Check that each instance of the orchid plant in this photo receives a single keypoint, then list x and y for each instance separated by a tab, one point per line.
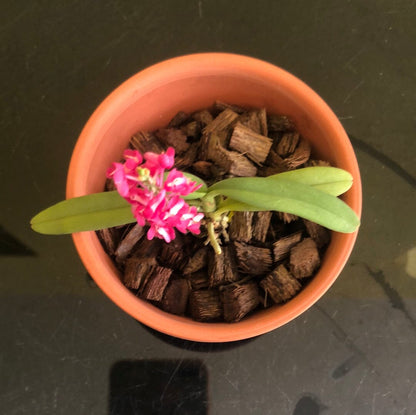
151	192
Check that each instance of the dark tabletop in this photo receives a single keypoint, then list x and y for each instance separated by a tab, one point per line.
65	348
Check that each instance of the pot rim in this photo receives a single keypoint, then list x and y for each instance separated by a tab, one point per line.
100	266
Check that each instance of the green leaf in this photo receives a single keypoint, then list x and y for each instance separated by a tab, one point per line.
92	212
85	213
290	197
330	180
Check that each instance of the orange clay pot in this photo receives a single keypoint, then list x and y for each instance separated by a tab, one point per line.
147	101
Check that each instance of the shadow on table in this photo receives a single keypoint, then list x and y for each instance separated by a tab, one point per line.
197	346
158	387
10	245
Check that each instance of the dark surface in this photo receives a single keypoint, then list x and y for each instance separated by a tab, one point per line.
62	340
158	386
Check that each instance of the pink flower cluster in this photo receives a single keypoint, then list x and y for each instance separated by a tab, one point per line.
156	198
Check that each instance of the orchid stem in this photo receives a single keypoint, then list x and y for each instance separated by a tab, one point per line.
197	203
219	212
213	238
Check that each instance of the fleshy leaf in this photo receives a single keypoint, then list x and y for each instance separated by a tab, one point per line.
330	180
290	197
85	213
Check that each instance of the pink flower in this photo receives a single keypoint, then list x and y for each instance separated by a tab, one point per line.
176	182
124	175
156	201
160	161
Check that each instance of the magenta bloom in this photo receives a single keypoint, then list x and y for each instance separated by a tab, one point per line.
155	200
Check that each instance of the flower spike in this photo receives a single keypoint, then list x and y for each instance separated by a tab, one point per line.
155	200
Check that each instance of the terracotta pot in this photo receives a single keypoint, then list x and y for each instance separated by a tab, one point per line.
147	101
